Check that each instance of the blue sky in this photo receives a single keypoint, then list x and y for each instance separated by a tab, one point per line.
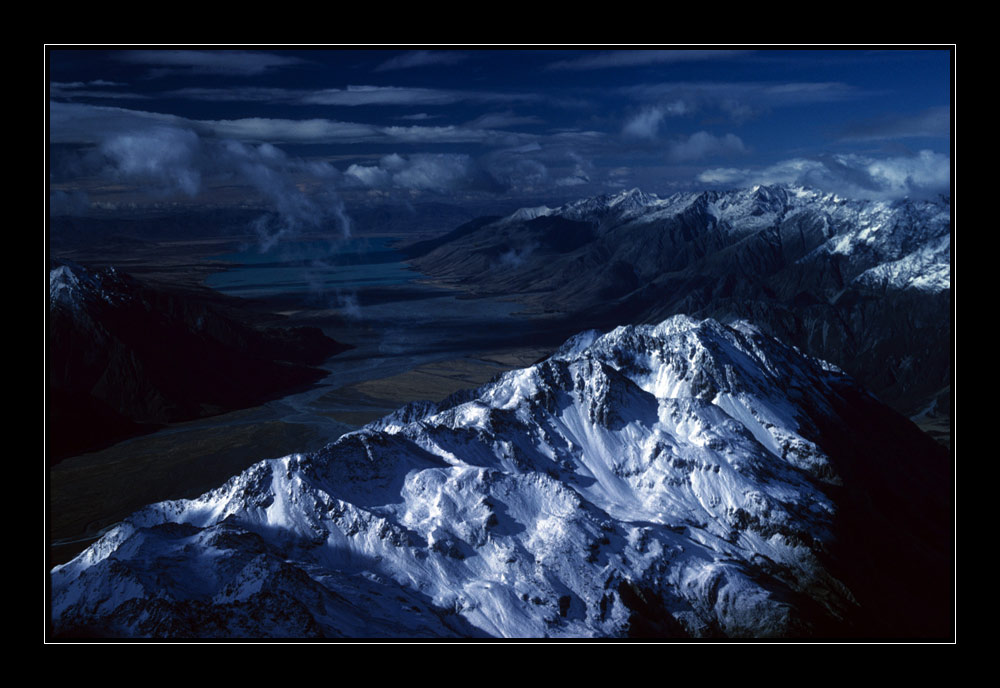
302	131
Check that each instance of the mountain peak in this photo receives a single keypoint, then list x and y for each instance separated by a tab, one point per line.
675	476
71	285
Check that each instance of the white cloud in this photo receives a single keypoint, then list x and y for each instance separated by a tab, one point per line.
292	130
923	174
161	156
164	157
81	123
434	172
371	176
645	125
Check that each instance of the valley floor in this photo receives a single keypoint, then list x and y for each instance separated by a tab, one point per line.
387	369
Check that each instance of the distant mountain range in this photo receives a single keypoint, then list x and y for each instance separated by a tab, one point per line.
125	358
687	479
864	284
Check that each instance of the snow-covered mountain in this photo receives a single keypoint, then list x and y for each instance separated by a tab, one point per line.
683	479
855	282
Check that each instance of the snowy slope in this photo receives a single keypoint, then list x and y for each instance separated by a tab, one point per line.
865	284
669	480
870	236
73	286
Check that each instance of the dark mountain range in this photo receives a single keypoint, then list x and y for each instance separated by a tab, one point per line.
125	358
863	284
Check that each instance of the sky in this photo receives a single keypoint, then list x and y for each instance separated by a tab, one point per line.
302	132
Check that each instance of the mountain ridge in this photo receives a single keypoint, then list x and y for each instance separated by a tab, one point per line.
855	282
125	358
685	479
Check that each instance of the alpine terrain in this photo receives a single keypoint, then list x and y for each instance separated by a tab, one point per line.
683	479
864	284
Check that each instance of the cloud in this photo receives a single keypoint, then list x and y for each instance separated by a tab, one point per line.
453	134
517	171
500	120
225	62
704	145
80	123
421	58
581	173
162	157
275	176
351	96
443	172
370	176
354	96
738	100
92	124
434	172
260	129
925	174
635	58
645	124
933	122
81	89
238	94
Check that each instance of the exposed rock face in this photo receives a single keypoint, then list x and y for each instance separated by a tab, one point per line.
863	284
684	479
124	358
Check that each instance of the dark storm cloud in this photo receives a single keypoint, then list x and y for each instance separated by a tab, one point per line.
422	58
635	58
221	62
